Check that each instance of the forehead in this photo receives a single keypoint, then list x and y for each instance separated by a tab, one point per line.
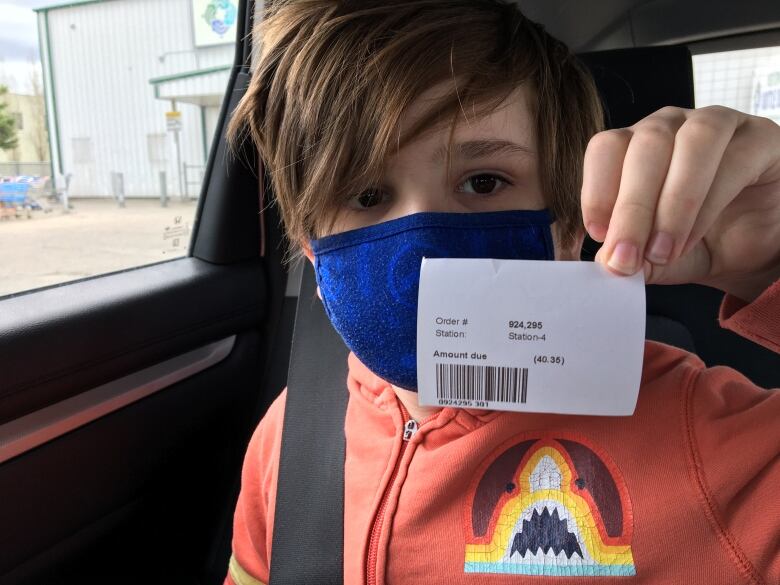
510	121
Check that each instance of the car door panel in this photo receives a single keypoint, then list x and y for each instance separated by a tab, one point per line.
61	341
161	459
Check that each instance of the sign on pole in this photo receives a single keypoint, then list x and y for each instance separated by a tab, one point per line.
173	121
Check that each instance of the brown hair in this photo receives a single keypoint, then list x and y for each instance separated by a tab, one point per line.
334	78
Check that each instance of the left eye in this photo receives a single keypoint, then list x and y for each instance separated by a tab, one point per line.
483	184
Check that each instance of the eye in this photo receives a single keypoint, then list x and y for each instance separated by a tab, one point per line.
482	184
367	199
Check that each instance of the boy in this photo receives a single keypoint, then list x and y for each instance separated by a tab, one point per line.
388	126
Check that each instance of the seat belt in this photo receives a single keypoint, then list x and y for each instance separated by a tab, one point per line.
308	539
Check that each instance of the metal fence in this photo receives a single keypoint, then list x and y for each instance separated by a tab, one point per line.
193	179
33	169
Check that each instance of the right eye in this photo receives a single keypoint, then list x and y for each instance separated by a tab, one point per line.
367	199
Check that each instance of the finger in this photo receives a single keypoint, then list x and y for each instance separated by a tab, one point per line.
741	166
602	168
644	169
699	146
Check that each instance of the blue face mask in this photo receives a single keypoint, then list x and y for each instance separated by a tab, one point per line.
369	277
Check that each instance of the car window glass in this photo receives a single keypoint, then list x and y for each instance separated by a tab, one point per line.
747	80
107	114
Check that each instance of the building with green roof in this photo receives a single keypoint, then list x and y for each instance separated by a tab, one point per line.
133	91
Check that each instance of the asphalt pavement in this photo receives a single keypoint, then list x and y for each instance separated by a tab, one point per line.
95	237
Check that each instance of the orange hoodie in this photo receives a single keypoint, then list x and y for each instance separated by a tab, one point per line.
686	490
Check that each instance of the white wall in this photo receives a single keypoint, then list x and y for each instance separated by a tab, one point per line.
103	56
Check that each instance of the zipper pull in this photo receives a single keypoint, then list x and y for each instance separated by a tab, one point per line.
410	429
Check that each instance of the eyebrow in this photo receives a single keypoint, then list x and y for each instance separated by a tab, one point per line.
480	149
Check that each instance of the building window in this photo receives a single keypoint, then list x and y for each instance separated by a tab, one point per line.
19	120
747	80
82	151
156	145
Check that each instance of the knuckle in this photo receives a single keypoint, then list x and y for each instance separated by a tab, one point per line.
682	206
672	112
596	209
717	111
637	209
701	128
763	125
609	140
709	122
655	130
669	115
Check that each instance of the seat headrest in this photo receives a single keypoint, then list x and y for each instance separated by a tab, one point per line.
636	82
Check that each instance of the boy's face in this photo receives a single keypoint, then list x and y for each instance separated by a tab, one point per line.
493	166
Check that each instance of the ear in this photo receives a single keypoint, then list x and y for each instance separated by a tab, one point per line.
306	249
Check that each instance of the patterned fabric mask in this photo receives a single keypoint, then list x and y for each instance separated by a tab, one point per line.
369	277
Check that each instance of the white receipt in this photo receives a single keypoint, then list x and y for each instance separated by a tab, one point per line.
529	336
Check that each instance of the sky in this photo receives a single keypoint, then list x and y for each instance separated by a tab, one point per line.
18	42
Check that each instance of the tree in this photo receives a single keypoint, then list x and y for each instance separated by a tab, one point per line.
38	133
8	138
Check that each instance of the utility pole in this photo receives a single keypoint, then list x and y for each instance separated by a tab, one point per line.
173	123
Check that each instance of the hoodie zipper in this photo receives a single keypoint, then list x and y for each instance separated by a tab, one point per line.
410	429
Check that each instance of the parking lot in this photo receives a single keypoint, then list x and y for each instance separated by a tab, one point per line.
94	237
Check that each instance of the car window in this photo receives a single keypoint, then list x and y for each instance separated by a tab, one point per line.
747	80
107	114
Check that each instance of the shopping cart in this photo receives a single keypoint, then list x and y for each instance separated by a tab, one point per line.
15	200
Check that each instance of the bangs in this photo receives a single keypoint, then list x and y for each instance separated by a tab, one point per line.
378	74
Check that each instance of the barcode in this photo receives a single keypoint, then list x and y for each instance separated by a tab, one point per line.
488	383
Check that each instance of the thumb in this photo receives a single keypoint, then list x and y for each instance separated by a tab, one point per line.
692	267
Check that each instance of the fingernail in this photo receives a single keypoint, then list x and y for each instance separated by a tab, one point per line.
660	248
597	231
624	258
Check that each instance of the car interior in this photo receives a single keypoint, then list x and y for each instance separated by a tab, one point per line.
127	399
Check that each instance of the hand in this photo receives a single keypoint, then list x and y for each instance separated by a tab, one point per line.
689	196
